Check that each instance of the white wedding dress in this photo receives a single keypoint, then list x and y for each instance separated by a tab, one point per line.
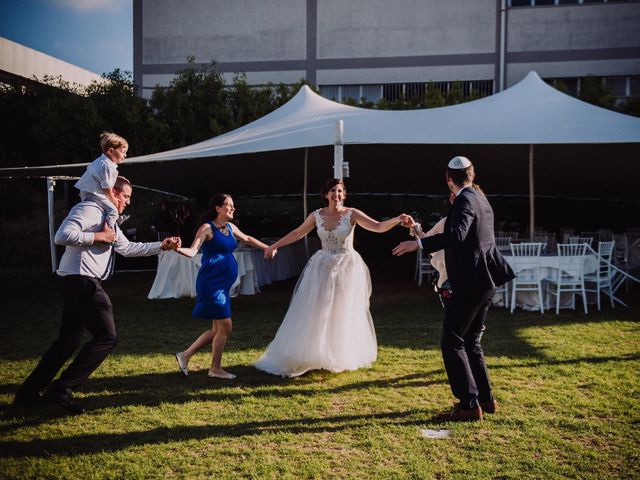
328	324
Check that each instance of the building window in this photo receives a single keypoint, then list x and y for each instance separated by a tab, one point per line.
350	92
332	92
618	86
452	92
392	92
570	86
371	93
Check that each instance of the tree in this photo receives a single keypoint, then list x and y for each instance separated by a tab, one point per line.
455	95
122	110
193	107
592	90
434	96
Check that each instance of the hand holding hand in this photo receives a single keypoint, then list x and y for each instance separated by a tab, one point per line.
171	243
270	252
407	220
405	247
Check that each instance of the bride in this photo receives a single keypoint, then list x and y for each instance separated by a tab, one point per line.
328	324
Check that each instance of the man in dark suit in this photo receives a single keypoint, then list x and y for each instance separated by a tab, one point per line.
475	268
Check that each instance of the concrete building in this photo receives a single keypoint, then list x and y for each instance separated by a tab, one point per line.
383	48
20	64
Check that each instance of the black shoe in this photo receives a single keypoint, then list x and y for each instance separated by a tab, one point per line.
459	414
489	407
64	401
23	400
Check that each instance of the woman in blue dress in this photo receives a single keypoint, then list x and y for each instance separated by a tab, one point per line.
217	239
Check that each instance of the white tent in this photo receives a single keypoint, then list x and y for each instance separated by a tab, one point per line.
530	112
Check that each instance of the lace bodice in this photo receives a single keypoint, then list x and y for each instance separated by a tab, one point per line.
336	240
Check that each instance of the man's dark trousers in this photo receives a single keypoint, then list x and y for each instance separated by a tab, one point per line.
461	350
86	305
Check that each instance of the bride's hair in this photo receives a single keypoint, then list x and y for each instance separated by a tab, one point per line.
330	184
216	201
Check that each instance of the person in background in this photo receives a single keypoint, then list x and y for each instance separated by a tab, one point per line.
164	223
186	224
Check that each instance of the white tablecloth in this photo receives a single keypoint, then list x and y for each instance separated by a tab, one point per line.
548	268
176	274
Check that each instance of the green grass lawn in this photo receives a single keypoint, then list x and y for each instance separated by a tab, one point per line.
567	387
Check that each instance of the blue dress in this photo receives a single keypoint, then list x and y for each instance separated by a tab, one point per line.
216	275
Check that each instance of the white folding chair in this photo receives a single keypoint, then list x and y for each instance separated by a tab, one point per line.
570	276
603	276
423	266
565	233
503	243
595	236
581	239
502	233
528	277
542	238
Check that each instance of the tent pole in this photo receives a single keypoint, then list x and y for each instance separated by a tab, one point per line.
503	43
304	197
338	151
51	184
532	211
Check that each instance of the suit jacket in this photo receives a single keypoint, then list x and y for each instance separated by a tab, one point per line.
474	264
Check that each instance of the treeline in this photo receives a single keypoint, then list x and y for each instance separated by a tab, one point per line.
54	122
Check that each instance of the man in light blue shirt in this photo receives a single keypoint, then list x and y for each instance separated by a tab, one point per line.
88	259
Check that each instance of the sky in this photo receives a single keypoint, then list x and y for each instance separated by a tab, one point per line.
96	35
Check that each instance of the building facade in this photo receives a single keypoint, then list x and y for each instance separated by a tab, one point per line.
375	49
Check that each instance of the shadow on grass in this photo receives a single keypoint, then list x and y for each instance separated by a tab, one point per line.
143	390
87	444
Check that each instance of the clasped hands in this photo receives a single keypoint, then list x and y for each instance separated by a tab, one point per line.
270	252
408	246
171	243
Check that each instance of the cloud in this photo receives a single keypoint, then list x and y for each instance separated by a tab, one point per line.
93	6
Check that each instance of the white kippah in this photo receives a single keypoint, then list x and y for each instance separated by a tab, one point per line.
459	163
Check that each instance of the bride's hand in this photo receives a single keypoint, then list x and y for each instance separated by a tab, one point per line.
407	220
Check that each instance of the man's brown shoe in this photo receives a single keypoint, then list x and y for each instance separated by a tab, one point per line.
489	407
462	415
